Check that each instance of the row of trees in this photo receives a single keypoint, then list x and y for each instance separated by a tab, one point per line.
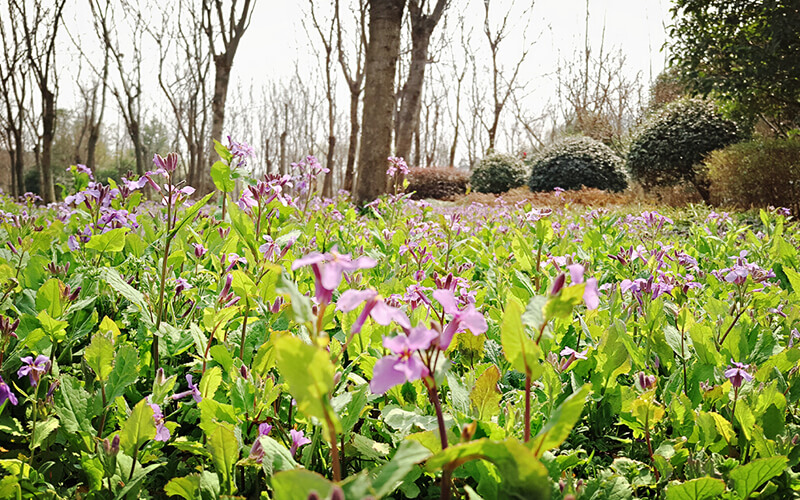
415	87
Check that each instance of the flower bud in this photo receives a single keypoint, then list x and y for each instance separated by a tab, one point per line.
558	284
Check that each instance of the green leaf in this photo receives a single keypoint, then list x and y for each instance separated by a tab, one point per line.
43	429
301	305
55	329
561	422
190	213
72	406
299	483
222	151
210	382
673	337
524	476
138	429
125	372
112	241
794	279
224	448
562	304
354	408
221	175
485	396
521	351
389	476
187	487
99	355
747	478
308	371
277	457
48	298
115	281
696	489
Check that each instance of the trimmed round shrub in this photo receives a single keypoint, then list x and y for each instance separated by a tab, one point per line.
437	182
757	173
497	173
671	145
575	162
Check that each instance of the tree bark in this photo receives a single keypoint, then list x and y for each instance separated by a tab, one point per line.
385	21
352	149
422	27
222	76
48	133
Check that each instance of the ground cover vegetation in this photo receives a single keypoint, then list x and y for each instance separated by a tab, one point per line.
281	345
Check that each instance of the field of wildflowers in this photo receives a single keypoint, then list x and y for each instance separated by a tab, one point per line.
278	345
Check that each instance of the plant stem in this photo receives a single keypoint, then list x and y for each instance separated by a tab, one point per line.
337	466
133	463
163	280
244	327
527	422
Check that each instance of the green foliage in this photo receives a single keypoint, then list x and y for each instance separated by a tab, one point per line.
575	162
670	146
746	51
759	173
497	173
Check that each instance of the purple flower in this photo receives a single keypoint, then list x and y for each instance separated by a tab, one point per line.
403	365
199	250
646	382
328	269
169	164
192	391
737	373
375	307
257	451
571	355
298	440
34	368
590	293
6	394
162	433
396	164
463	319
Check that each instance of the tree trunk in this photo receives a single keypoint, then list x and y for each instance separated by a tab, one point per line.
19	163
385	20
222	75
408	116
353	147
91	146
48	133
327	186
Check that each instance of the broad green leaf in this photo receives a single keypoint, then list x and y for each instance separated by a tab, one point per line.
115	281
298	483
55	329
521	351
485	396
187	487
99	355
138	429
224	448
43	429
794	279
561	422
125	372
301	305
389	476
562	304
221	175
72	406
354	408
673	337
747	478
264	359
190	214
308	371
48	298
723	427
524	476
277	457
222	151
112	241
210	382
94	470
696	489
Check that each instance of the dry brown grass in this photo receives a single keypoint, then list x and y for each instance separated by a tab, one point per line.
677	196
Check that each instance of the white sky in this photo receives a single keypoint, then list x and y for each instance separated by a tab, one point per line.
276	41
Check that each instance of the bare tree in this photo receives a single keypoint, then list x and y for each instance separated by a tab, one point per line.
326	36
422	26
185	83
504	81
224	28
39	22
385	21
14	93
355	79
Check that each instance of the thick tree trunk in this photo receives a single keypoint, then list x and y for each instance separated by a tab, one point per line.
48	133
222	75
408	116
91	146
385	20
352	149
